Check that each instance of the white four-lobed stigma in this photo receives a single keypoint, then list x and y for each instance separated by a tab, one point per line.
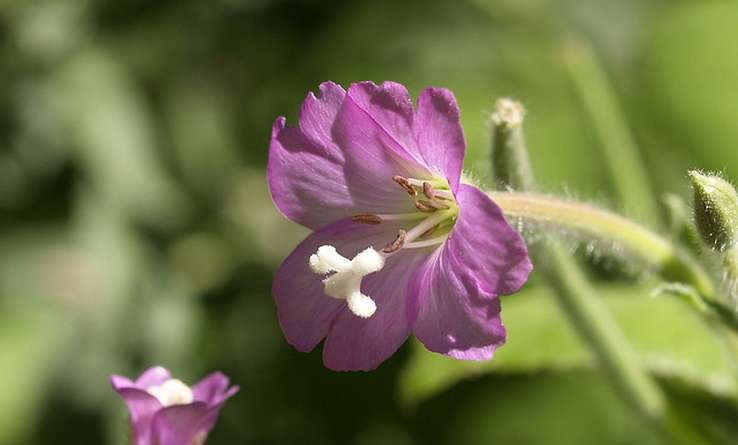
346	275
172	392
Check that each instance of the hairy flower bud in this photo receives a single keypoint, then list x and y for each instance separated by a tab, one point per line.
715	210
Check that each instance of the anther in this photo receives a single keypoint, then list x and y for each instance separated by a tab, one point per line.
397	244
428	190
424	207
367	218
434	204
405	184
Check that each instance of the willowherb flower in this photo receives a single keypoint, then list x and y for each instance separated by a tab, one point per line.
400	244
165	411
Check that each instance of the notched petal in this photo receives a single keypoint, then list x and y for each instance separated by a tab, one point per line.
439	133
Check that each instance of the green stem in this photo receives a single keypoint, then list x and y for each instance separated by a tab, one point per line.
615	140
680	222
598	328
619	360
592	320
599	225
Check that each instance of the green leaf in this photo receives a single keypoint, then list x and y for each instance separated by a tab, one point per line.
571	408
672	339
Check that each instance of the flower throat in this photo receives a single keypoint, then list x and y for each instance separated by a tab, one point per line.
437	212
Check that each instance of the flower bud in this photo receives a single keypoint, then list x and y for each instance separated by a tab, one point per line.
715	210
510	163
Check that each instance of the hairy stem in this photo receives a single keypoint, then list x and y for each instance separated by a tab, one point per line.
594	224
592	320
598	328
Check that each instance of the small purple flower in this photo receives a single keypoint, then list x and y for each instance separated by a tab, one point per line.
165	411
400	244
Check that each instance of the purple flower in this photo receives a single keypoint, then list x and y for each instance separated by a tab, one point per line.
165	411
400	243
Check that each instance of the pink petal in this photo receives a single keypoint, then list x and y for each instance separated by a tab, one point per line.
439	133
318	114
357	344
489	249
306	180
341	160
374	128
120	382
152	377
141	407
388	109
305	312
213	389
309	178
306	168
455	318
482	259
181	424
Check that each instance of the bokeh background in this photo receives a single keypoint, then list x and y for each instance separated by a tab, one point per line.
136	227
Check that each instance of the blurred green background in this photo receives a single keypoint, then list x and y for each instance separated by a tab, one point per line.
137	229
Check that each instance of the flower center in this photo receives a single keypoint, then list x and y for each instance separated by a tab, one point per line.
437	211
172	392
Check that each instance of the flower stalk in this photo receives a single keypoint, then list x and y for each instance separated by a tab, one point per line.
608	229
680	222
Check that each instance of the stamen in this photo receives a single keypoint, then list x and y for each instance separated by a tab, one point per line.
405	184
429	231
434	204
426	243
423	207
434	199
400	216
446	195
428	223
428	190
397	244
419	182
342	277
367	218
